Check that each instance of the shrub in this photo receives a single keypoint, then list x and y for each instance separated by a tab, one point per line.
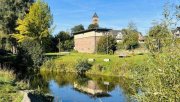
159	77
30	53
82	66
106	44
120	45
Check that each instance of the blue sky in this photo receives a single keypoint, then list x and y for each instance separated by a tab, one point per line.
114	14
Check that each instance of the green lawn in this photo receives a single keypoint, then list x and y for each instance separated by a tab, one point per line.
116	66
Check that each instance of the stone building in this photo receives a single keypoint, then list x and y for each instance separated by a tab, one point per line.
86	41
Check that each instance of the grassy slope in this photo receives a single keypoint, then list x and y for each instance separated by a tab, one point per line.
116	66
8	89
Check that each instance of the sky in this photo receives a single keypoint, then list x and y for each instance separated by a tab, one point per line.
114	14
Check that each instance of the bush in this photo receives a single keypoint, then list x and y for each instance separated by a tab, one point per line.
82	66
106	44
120	45
159	77
130	38
30	53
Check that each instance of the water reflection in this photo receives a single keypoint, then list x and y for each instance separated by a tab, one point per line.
68	87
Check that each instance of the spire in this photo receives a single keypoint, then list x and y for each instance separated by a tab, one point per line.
95	15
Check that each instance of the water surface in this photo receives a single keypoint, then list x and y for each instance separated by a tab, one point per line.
69	87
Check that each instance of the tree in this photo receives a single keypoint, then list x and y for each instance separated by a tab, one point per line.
93	26
132	26
68	45
130	37
10	11
30	54
158	37
64	41
106	44
63	36
35	25
77	28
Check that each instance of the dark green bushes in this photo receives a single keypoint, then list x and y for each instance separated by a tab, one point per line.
82	66
30	54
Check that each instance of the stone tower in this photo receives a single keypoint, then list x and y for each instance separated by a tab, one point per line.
95	19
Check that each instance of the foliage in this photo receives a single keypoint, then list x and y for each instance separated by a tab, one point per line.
11	10
130	37
30	53
9	87
63	36
77	28
64	41
82	66
35	24
159	77
93	26
106	44
120	45
99	67
68	45
159	36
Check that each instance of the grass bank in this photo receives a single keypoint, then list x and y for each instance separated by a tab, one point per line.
115	67
9	88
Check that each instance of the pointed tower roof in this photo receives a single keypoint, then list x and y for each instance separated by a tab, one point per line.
95	15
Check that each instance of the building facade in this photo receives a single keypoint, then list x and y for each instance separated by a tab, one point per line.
176	32
119	36
86	41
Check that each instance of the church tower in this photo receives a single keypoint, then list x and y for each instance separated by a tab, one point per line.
95	19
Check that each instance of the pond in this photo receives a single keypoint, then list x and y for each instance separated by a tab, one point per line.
69	87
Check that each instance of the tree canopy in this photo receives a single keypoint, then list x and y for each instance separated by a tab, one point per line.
158	37
93	26
77	28
10	11
35	25
130	36
106	44
64	41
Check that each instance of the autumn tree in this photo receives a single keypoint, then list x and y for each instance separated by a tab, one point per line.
10	11
33	31
36	24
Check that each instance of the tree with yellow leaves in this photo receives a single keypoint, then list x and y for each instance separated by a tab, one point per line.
36	24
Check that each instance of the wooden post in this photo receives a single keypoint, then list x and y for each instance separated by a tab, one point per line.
59	46
107	44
